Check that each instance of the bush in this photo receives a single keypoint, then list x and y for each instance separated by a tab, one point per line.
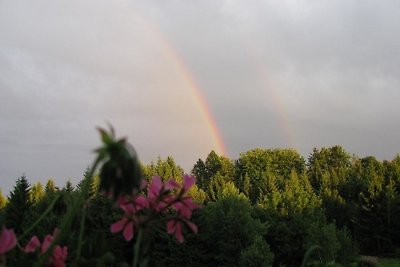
257	254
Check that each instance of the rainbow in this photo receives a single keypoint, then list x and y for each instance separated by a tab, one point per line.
187	78
272	93
195	91
278	106
197	96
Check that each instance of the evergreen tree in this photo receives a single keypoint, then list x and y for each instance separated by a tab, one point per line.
333	160
3	200
214	165
18	205
68	186
166	169
376	213
228	228
36	193
257	254
50	186
200	172
256	167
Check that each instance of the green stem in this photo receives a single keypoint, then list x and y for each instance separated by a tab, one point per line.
80	240
136	248
49	209
309	253
67	221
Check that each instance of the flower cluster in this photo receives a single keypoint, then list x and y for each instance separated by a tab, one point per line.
7	240
161	198
59	254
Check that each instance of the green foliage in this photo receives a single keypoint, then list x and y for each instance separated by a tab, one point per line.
258	254
215	187
3	200
100	247
348	250
255	168
54	218
18	205
36	193
214	165
68	187
198	195
334	160
228	229
50	186
166	169
266	209
94	184
120	171
296	197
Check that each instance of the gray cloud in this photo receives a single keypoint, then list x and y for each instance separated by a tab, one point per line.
319	72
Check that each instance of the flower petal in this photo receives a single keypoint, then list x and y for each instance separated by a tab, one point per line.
188	182
191	225
128	231
32	245
171	226
46	243
155	187
7	240
128	208
59	256
178	232
171	184
141	202
118	226
143	184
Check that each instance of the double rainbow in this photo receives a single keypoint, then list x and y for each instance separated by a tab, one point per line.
189	82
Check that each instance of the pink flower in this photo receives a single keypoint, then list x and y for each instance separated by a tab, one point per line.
124	225
161	198
175	226
59	255
130	219
188	182
46	243
32	245
155	187
185	207
7	240
158	196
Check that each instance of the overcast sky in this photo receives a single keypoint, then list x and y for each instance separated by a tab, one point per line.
299	74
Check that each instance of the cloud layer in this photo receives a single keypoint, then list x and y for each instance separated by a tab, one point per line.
275	74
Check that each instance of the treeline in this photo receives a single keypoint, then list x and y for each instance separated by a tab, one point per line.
267	208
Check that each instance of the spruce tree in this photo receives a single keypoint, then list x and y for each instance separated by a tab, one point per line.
50	186
68	186
18	205
36	193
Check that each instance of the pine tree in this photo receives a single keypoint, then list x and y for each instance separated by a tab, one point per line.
166	169
18	205
36	193
50	186
68	186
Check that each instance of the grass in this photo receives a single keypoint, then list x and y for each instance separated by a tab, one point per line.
384	262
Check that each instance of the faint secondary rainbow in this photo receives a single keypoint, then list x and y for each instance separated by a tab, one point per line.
272	93
188	79
279	107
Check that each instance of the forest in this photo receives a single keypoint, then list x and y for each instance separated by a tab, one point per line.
269	207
